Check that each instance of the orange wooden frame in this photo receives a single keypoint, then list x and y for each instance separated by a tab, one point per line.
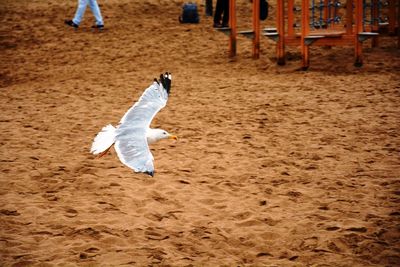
233	28
353	33
256	29
255	33
326	37
394	19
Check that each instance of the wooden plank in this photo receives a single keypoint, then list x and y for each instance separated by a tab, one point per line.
328	33
305	31
349	16
334	41
232	25
359	28
290	20
280	22
375	23
327	41
392	16
256	29
398	24
327	13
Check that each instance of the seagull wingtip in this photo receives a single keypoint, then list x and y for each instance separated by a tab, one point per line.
151	173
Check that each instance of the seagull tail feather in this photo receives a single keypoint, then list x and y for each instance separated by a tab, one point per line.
103	140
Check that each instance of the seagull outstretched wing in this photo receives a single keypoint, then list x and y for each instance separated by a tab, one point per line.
130	141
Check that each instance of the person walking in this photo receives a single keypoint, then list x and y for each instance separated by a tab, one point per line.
80	11
221	11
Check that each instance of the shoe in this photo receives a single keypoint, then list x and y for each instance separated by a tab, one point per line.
100	27
71	23
217	25
225	25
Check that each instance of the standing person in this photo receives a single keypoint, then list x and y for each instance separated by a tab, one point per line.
209	8
221	11
80	11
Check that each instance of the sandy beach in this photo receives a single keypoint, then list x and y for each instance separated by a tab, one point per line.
273	166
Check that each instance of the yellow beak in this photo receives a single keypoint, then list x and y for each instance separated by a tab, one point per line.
173	137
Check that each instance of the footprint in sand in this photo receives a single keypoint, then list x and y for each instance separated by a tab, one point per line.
9	212
71	212
332	228
309	243
151	235
89	253
242	215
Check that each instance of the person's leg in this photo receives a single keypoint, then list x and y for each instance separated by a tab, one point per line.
96	12
80	11
225	18
209	8
218	12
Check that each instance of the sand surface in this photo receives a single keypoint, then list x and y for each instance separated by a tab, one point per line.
274	166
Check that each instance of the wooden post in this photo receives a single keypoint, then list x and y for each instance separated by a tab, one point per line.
359	28
256	29
305	31
398	24
349	17
327	13
392	16
290	20
375	21
232	25
280	22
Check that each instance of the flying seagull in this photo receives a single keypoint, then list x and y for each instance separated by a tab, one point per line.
131	138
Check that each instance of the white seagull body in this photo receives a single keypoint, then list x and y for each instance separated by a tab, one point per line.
131	138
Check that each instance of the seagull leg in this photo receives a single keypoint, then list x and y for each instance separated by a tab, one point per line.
103	153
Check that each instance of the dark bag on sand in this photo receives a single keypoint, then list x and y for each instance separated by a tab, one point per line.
189	13
263	9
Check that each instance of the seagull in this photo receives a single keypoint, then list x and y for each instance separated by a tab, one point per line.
131	138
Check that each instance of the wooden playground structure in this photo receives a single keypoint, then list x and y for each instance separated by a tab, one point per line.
309	23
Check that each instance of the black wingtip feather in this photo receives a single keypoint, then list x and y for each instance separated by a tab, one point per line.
166	81
150	173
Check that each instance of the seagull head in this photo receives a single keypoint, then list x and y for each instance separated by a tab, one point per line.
167	135
155	135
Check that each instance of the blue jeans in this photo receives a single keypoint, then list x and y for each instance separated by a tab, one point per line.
80	11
